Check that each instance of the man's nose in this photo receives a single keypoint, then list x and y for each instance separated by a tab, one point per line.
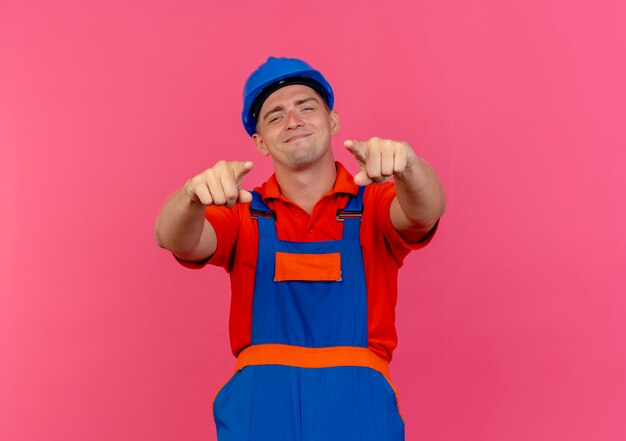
293	120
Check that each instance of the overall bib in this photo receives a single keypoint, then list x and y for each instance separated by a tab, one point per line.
308	374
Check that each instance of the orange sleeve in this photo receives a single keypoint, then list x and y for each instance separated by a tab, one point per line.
383	195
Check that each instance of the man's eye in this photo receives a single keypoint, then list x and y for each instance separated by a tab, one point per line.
275	118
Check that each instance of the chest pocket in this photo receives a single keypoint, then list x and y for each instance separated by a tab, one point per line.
307	267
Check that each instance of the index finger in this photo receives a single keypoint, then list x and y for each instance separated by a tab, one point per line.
240	169
357	148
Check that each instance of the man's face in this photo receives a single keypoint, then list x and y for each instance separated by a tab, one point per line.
295	127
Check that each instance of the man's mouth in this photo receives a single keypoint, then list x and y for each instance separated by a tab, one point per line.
296	137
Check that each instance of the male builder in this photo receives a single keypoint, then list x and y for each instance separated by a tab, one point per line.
313	256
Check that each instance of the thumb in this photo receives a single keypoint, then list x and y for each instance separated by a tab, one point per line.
244	196
361	178
241	169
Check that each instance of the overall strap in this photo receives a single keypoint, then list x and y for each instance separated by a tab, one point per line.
351	216
264	216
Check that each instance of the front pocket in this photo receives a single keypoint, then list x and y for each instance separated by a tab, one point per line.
392	393
380	416
231	406
307	267
229	384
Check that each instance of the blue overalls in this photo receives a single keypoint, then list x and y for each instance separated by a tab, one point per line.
308	375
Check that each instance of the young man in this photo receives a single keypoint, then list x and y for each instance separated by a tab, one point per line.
313	256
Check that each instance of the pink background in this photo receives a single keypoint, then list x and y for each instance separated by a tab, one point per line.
512	322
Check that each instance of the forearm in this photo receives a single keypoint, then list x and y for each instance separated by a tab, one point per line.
180	226
420	199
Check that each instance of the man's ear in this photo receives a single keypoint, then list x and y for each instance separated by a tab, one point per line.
334	122
260	144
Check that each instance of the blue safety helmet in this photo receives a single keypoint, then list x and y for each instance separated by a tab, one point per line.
271	76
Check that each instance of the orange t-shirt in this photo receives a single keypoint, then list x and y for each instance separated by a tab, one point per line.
383	251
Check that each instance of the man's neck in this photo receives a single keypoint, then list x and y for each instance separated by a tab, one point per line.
307	186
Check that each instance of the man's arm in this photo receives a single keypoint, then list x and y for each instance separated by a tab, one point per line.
181	226
420	200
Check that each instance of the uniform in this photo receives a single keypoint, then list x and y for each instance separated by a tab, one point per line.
312	315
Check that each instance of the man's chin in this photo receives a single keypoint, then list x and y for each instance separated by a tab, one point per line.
301	162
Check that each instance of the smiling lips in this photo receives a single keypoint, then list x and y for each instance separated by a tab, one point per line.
298	136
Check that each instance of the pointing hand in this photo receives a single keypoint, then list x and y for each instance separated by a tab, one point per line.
220	185
380	159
